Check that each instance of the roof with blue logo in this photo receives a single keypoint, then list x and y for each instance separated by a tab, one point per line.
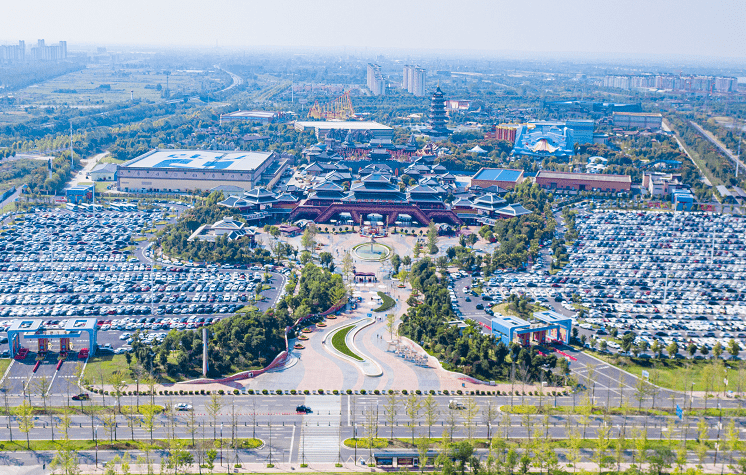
218	160
498	174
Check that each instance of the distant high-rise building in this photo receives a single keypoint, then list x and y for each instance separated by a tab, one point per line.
414	80
13	53
679	83
438	115
42	52
376	82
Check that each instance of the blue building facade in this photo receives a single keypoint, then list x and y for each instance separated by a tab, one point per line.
79	194
683	200
545	139
550	327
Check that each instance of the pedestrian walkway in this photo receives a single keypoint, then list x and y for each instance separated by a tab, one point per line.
319	440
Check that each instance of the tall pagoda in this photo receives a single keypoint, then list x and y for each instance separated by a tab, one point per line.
438	127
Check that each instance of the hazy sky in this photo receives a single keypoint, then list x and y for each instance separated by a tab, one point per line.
680	27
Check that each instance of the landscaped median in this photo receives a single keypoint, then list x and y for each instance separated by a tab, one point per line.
339	342
388	302
106	444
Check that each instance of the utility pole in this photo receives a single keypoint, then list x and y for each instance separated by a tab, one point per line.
72	161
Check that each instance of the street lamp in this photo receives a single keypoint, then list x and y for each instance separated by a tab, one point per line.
95	439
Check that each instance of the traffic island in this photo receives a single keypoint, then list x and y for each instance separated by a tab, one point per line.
340	343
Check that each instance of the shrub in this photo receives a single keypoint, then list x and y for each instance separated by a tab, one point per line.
202	391
349	391
391	391
265	392
236	392
418	392
221	392
279	392
404	391
321	391
376	392
293	392
250	391
362	391
336	391
445	391
432	391
459	392
306	391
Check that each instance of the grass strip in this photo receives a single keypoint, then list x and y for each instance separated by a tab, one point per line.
339	343
388	302
104	444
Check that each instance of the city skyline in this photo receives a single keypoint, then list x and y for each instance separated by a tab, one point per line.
684	29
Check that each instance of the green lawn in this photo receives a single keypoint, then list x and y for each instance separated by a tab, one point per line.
674	374
388	302
338	342
102	367
105	444
110	159
4	363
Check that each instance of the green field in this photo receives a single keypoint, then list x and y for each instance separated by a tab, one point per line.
674	374
84	88
102	367
338	342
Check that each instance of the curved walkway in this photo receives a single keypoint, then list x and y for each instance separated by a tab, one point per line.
368	366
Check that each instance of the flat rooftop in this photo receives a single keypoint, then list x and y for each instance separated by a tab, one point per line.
640	114
344	125
498	174
260	114
199	160
550	316
584	176
510	322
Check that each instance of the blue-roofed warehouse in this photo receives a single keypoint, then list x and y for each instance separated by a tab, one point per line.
502	177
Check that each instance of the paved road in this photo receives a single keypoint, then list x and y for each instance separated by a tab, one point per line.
717	144
316	437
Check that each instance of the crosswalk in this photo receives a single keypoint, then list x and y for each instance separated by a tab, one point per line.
319	439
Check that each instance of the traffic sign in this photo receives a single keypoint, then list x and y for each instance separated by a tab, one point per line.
645	374
679	412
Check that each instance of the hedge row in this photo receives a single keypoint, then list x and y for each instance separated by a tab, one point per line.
265	392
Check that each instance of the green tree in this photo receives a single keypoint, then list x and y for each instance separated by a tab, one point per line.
432	238
307	240
673	349
412	408
431	412
391	410
25	420
213	407
733	347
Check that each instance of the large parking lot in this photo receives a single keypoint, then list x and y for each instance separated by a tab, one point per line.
56	265
669	279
